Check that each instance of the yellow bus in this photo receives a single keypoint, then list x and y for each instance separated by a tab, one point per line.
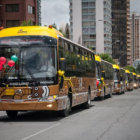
129	80
135	81
138	76
104	74
42	70
119	79
122	80
116	79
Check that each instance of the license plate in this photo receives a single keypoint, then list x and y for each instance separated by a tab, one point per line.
9	92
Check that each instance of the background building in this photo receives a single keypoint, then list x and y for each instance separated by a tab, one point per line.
121	37
135	32
93	27
14	12
136	63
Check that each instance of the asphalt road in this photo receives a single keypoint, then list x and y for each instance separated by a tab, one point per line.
117	118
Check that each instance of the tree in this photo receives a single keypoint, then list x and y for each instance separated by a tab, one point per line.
130	68
108	58
27	23
54	25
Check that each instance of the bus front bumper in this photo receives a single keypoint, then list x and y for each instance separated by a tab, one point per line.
29	106
54	104
117	90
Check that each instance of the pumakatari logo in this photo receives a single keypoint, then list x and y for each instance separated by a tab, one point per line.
21	31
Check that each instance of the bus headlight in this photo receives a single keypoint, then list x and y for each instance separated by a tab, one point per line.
135	85
50	105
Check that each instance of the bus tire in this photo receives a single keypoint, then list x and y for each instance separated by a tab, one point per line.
88	103
12	114
103	97
66	111
123	91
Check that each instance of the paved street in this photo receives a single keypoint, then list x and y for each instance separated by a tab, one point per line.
112	119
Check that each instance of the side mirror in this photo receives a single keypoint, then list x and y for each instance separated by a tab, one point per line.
62	64
62	67
121	78
103	74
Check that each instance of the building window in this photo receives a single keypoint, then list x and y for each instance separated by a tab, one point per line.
30	9
12	23
12	7
33	10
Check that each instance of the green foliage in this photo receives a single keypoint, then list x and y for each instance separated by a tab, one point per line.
130	68
54	25
91	48
108	58
27	23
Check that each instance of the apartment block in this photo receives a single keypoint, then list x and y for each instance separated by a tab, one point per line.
135	32
90	24
121	33
14	12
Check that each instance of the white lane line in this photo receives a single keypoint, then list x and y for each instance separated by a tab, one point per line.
20	124
41	131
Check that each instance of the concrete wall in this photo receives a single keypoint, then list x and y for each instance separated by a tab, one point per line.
77	21
22	15
99	26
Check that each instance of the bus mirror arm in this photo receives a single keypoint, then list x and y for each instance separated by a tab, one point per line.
61	82
62	66
61	75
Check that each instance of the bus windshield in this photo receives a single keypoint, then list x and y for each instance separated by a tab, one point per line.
135	78
36	61
116	75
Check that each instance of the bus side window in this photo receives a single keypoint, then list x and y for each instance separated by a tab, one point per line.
61	48
91	65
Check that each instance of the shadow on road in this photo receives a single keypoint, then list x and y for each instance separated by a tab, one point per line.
40	116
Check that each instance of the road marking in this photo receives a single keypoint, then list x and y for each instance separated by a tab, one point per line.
41	131
19	124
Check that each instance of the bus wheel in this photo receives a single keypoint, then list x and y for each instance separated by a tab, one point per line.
12	114
66	111
103	97
88	103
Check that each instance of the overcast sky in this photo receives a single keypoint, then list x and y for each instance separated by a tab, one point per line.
57	11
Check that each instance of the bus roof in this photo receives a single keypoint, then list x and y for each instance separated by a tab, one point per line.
97	58
134	73
30	31
127	71
116	66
